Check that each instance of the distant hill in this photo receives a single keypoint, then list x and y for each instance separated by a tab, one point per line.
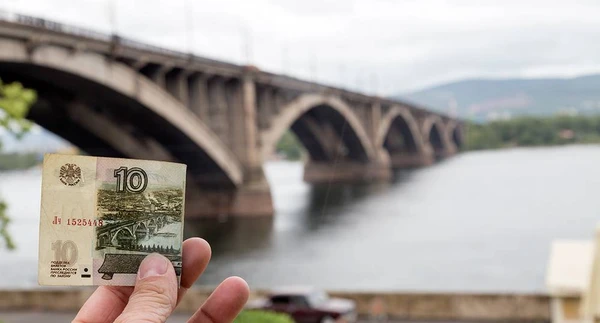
486	99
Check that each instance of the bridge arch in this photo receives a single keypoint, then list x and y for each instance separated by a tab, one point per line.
152	226
163	220
454	134
434	133
77	87
399	118
141	230
308	115
121	235
104	240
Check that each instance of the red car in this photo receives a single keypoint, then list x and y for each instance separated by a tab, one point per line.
307	306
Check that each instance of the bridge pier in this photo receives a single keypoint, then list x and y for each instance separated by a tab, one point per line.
412	160
445	152
346	171
252	200
451	149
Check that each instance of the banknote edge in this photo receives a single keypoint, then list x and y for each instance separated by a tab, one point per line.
115	158
39	273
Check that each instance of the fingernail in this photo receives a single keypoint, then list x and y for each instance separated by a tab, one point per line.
153	265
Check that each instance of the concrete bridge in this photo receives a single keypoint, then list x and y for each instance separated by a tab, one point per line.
115	97
126	233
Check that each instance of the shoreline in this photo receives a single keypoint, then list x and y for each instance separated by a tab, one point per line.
397	305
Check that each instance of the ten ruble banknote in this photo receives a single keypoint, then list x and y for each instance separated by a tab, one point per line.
101	216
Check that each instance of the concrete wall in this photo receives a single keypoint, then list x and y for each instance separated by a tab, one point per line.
463	307
413	306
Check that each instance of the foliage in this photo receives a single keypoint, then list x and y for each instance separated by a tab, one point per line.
255	316
533	131
290	146
15	101
4	221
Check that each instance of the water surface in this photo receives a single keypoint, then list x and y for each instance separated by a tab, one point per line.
479	221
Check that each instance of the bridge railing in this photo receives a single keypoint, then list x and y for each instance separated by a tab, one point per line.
53	26
84	32
148	47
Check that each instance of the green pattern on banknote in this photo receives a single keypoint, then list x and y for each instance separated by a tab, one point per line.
135	215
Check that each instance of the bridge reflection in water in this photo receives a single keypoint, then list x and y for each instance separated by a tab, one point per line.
321	207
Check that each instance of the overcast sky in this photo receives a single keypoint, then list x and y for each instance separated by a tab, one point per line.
383	46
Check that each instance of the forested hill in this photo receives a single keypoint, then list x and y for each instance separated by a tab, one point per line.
485	99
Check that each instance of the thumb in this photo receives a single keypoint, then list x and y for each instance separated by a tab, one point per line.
155	294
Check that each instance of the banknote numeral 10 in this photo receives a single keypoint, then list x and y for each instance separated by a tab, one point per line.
134	180
65	251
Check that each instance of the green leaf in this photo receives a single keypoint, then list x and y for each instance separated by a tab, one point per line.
13	90
15	102
29	96
256	316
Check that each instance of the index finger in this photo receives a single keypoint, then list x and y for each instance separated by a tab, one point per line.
224	304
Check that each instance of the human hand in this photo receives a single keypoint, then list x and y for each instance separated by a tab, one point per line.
156	293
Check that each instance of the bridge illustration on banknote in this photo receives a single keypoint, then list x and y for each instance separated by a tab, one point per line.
136	225
125	235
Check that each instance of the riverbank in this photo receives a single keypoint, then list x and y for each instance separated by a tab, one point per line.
398	305
532	131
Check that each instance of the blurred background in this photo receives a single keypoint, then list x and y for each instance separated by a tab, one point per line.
369	146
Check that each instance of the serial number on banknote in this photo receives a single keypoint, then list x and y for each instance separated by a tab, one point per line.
79	222
85	222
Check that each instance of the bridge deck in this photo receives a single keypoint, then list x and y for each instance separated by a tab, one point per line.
28	27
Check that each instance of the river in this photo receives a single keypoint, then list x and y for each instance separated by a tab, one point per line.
477	222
